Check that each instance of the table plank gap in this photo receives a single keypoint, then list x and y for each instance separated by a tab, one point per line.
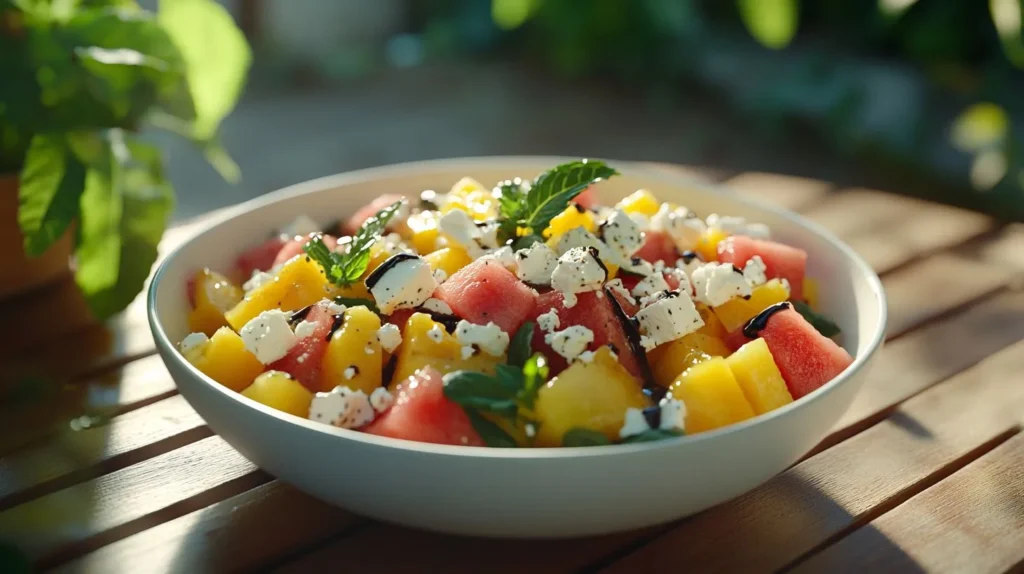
971	521
796	510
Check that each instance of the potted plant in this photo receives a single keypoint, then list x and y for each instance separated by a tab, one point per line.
79	82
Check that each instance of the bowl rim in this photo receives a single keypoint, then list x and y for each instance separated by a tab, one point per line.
169	350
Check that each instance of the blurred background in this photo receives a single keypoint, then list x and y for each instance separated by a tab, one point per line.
918	97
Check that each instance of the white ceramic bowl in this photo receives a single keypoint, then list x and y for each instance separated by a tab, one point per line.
529	493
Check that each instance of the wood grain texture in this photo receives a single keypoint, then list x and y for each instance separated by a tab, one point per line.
242	533
933	433
48	407
83	517
971	522
74	456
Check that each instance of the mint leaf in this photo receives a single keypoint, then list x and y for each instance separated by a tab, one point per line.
651	435
535	374
554	189
344	269
356	302
50	186
519	348
480	392
584	437
823	324
509	377
216	55
492	434
526	241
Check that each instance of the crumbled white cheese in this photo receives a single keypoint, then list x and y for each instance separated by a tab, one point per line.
738	226
548	321
681	277
392	244
754	271
369	350
467	352
389	336
634	423
716	283
622	234
350	372
637	266
437	306
458	226
258	279
402	284
530	429
616	286
689	262
300	226
440	275
673	414
580	237
571	341
681	224
342	407
504	256
579	270
489	235
535	264
489	338
586	357
436	334
381	400
669	318
268	335
654	283
642	221
305	329
336	308
191	341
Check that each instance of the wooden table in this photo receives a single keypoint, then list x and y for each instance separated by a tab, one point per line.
923	473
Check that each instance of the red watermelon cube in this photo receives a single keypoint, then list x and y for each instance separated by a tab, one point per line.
485	291
594	311
806	358
587	198
658	246
780	261
259	258
369	210
422	413
303	360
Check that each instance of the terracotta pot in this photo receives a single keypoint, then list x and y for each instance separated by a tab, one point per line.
19	273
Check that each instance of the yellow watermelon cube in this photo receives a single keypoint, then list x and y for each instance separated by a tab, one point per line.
225	359
279	390
712	396
735	312
669	360
640	201
353	357
759	377
299	283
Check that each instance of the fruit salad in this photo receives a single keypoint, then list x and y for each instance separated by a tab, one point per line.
523	314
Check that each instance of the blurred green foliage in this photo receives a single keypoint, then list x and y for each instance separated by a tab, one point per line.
898	81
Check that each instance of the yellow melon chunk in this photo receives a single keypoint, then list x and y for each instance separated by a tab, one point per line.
449	259
640	201
426	343
712	396
225	359
811	293
353	357
300	282
712	326
671	359
735	312
758	377
707	245
212	296
279	390
571	217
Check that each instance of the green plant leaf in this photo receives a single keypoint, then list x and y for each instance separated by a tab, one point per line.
823	324
554	189
51	183
535	374
124	211
584	437
773	23
346	268
651	435
492	434
216	54
509	377
519	348
480	392
1006	17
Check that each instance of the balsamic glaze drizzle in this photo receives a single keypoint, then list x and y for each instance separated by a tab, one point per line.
755	325
388	265
633	340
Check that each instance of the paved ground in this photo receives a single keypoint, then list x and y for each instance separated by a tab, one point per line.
280	135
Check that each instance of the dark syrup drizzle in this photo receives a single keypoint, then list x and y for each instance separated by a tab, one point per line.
688	256
633	340
336	324
755	325
653	416
300	315
389	370
593	253
388	265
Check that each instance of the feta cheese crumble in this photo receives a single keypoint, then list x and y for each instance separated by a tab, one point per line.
336	308
389	336
489	235
738	226
634	423
258	279
350	372
305	329
571	341
673	414
504	256
535	264
754	271
404	281
579	270
381	400
458	226
440	275
489	338
681	224
622	234
548	321
342	407
668	318
580	237
191	341
436	334
268	335
617	287
716	283
437	306
654	283
689	262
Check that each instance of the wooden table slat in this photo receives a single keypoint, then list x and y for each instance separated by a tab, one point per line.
971	522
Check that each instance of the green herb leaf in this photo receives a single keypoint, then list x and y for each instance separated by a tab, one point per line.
356	302
509	377
526	241
651	435
535	374
50	186
554	189
480	392
344	269
823	324
519	347
584	437
492	434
